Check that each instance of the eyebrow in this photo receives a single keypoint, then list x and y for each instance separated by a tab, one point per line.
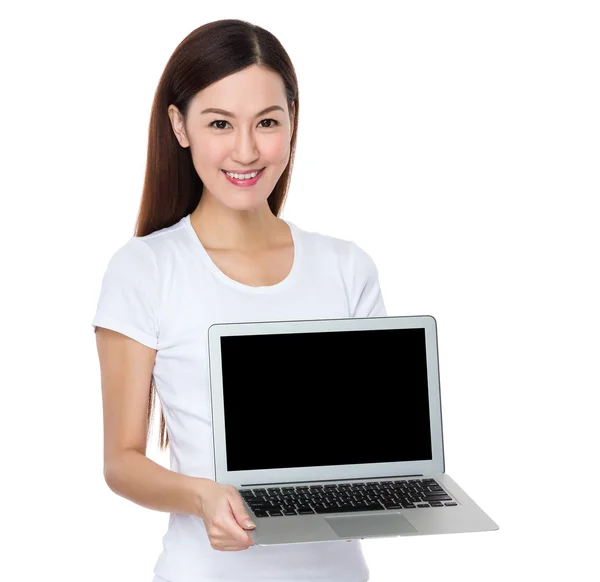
229	114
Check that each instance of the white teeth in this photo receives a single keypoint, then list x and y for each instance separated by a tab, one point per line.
243	176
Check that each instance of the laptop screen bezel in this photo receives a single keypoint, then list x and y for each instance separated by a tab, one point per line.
329	473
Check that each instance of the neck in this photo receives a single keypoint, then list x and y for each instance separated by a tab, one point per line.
223	228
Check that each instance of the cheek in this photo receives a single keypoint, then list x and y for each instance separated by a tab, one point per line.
209	152
276	149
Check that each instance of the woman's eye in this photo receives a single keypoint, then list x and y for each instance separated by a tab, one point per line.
218	121
275	122
272	125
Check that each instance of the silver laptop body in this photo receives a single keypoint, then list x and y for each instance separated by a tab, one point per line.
345	439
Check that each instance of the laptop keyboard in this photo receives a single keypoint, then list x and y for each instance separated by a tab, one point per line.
345	497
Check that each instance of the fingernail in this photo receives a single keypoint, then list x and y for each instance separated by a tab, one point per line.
250	524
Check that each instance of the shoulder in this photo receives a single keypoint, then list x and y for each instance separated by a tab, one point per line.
158	249
320	243
351	256
167	240
132	257
142	259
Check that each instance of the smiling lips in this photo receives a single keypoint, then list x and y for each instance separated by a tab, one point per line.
240	181
245	172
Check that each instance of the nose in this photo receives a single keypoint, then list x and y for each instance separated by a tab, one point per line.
245	149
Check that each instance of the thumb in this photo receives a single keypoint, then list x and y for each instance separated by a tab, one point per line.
240	514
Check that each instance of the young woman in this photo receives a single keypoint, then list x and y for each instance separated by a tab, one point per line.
210	247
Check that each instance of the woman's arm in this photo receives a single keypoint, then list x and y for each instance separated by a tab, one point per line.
126	371
141	480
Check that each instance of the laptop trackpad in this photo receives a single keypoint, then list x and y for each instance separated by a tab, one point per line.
347	526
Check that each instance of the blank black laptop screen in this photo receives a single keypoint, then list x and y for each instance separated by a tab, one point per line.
325	398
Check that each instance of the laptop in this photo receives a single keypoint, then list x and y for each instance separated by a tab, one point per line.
331	429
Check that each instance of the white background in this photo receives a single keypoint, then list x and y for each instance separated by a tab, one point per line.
457	142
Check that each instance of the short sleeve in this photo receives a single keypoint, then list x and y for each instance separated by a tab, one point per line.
129	295
365	296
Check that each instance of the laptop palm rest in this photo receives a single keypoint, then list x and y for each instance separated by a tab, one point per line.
347	526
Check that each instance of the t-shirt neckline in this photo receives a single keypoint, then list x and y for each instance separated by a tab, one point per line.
291	277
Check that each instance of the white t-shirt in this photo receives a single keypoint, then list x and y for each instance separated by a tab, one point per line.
164	291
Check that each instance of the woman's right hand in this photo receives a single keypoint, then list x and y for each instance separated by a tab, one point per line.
225	516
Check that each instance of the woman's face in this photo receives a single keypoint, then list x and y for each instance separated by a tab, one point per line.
239	138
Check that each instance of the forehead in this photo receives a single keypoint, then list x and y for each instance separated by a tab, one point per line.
244	92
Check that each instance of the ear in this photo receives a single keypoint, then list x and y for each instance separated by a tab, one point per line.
178	126
292	116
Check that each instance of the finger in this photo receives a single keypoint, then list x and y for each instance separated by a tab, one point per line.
239	511
235	532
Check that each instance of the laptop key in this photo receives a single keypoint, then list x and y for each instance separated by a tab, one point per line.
393	505
349	508
304	509
259	506
437	497
368	506
334	509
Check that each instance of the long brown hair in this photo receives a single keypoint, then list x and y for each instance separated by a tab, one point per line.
172	187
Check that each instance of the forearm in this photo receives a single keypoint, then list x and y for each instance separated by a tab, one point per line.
139	479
